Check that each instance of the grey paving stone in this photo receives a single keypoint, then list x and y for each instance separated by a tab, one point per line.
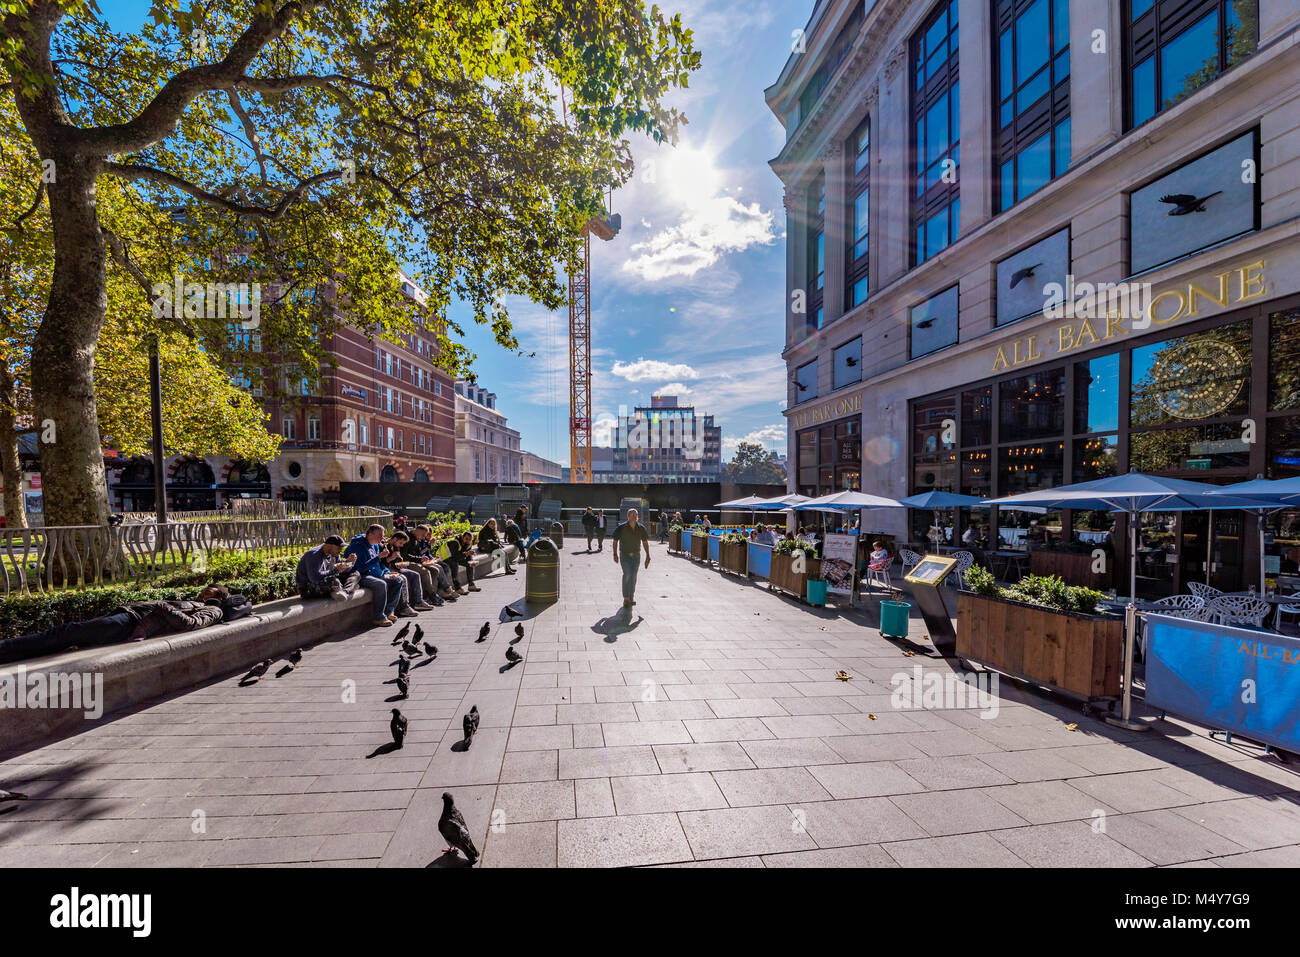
723	862
1273	857
1255	823
737	832
959	771
352	847
520	766
873	747
965	850
858	821
746	707
1133	791
805	726
947	742
550	737
956	812
770	786
588	736
789	752
727	729
607	762
620	734
533	801
626	841
1164	837
521	845
1044	765
858	780
1071	844
653	793
595	797
721	756
1049	802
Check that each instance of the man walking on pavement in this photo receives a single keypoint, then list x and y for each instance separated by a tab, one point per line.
630	536
602	528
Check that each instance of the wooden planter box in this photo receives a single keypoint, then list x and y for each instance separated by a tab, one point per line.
675	541
1074	568
733	558
700	547
1081	654
784	578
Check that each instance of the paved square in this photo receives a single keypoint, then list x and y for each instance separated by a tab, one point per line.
707	729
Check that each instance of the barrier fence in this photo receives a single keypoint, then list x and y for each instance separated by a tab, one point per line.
49	558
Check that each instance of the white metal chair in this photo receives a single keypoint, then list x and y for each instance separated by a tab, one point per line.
909	558
1239	609
964	561
1179	606
1291	609
1204	591
878	574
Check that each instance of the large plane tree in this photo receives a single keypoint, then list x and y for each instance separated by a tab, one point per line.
315	147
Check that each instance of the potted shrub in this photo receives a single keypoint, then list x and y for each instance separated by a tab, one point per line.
699	543
733	553
1041	629
784	574
675	537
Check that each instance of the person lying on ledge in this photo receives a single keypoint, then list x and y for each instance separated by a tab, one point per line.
133	622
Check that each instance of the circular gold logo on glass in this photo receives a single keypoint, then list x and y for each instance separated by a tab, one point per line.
1198	379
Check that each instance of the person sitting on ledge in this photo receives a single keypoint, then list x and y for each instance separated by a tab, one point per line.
488	543
413	594
135	621
320	572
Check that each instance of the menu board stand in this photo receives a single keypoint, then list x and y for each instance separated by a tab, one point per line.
927	579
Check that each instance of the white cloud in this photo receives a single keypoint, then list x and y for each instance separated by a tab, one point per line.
602	429
704	233
644	369
770	436
673	388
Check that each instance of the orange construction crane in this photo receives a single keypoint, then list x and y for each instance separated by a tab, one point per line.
606	227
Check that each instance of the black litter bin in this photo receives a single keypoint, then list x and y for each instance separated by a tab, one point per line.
557	534
543	579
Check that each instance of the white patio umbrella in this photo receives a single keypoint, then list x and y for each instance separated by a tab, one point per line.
1269	497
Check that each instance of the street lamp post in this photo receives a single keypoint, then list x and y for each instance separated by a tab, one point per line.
155	411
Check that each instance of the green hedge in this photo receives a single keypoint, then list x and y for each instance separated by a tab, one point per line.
22	614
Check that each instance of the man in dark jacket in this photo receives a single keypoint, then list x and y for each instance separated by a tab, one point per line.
589	525
489	544
132	622
320	574
461	554
516	538
521	519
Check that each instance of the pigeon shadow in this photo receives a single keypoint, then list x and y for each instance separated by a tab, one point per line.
397	697
448	859
388	748
508	665
422	662
248	682
284	671
8	809
462	745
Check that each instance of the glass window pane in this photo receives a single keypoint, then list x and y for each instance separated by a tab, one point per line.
1096	395
1284	360
1243	20
977	417
1008	112
1008	175
1032	406
1005	66
1201	376
1198	449
1061	68
1032	91
936	233
1062	147
1190	60
1060	25
860	291
1033	40
861	207
848	363
934	323
935	36
1095	457
1140	7
1027	468
805	378
976	476
1034	167
936	131
1144	90
1284	449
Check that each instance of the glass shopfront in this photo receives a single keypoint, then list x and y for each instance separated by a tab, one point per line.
830	457
1217	402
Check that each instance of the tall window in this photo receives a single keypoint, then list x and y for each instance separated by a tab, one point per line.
856	284
936	203
816	250
1176	48
1032	92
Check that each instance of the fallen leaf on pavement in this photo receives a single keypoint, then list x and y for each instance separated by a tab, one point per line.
843	675
1071	727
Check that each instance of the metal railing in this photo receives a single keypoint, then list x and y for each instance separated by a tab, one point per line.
44	559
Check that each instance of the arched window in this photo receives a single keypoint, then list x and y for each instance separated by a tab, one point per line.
421	476
389	474
194	472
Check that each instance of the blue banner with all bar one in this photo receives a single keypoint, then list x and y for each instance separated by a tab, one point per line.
760	560
1234	679
714	542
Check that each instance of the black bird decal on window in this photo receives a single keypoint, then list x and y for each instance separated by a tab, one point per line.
1020	275
925	323
850	361
800	385
1185	203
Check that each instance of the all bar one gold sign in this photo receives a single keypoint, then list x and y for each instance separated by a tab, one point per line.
1184	301
827	412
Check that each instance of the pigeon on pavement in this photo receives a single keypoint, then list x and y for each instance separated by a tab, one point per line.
512	613
13	796
470	724
431	650
519	632
398	727
403	686
410	649
485	630
403	665
295	658
418	636
257	671
452	827
512	656
402	634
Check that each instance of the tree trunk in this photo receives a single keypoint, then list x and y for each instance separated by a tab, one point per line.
15	513
63	354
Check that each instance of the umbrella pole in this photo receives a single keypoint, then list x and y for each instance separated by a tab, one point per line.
1209	544
1125	720
1259	524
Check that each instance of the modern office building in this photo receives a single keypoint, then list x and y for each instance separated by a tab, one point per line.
537	469
666	442
487	450
381	412
1032	242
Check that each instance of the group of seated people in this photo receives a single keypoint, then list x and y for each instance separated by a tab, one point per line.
401	571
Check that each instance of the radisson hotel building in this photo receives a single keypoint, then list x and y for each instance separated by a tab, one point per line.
961	175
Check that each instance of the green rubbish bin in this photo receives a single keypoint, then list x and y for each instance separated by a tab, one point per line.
816	591
557	534
542	582
893	618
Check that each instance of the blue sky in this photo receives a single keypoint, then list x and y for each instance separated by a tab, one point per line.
688	298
